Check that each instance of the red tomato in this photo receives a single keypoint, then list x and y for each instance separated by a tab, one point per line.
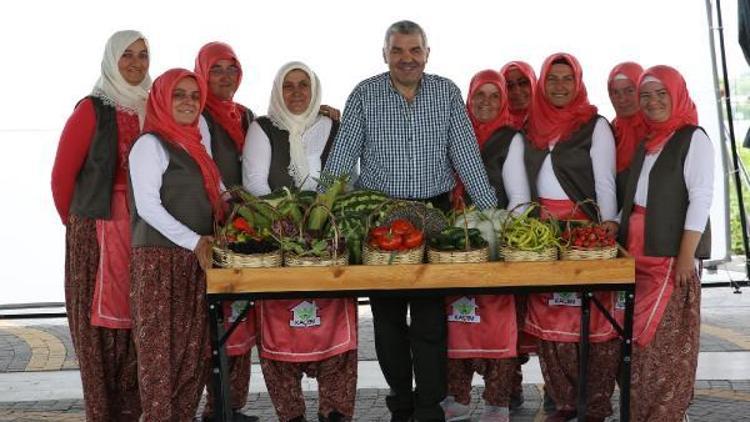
390	242
413	239
401	226
378	232
242	225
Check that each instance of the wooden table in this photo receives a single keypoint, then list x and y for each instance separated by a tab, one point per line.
584	277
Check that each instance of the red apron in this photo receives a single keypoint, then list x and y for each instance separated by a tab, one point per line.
244	336
111	305
481	326
526	343
306	330
557	316
654	281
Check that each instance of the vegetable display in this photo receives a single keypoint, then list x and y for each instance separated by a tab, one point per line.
335	223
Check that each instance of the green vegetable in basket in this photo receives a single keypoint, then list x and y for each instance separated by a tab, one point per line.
527	233
454	239
319	214
489	222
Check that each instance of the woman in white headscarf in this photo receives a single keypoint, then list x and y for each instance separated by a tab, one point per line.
289	145
89	181
317	337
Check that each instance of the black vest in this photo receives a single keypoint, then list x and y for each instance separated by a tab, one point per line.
182	195
224	150
667	198
494	153
278	175
93	189
571	162
621	180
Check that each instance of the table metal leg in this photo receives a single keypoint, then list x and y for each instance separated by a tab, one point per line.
583	354
627	351
219	370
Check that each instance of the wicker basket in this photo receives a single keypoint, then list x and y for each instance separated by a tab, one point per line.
575	253
372	256
511	254
226	258
516	255
435	256
292	260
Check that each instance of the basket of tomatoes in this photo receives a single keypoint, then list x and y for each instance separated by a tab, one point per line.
583	241
399	242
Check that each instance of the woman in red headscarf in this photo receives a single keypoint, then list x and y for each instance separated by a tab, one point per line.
223	121
89	181
570	158
483	340
176	195
665	227
629	125
520	81
223	125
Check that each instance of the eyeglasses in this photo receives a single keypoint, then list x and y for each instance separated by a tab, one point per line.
228	71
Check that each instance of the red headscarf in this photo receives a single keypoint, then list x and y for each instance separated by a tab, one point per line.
548	123
518	117
629	130
226	112
683	111
159	120
484	131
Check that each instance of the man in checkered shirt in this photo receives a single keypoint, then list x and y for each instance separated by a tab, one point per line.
411	133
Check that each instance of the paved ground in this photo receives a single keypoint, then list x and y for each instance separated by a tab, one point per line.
37	354
725	402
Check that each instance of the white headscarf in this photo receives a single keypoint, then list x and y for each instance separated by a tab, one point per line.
111	87
295	124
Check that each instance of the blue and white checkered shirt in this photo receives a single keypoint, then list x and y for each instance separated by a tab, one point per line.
410	149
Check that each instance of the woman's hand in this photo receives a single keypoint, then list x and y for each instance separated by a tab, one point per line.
684	267
611	227
331	112
684	270
204	252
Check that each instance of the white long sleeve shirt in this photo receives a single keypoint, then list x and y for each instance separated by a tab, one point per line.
515	181
256	156
603	161
148	160
699	179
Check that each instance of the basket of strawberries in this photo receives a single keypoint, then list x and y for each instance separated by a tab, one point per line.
582	240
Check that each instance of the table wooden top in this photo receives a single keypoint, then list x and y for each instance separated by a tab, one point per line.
422	276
